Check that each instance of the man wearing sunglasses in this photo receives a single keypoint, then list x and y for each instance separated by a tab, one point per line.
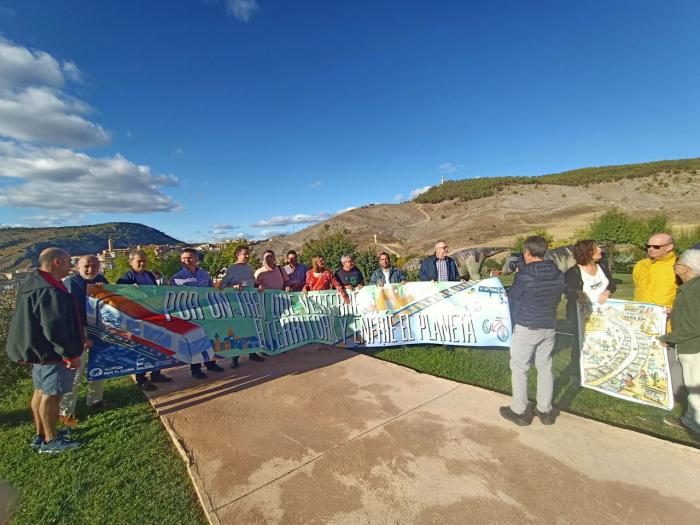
655	282
654	278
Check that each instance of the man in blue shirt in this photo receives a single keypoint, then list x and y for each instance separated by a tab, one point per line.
192	275
140	276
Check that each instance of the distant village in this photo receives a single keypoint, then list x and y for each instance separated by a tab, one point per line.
10	280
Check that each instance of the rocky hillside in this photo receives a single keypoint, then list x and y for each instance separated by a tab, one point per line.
411	228
20	247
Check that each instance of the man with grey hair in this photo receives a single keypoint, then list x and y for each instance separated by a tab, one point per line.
439	267
685	335
533	298
47	332
87	274
349	275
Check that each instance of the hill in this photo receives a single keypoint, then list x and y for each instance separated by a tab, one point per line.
20	247
469	189
505	212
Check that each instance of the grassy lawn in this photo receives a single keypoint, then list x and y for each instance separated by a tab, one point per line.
488	368
128	472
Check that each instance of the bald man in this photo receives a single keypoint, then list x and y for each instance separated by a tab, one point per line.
87	273
655	282
46	331
654	278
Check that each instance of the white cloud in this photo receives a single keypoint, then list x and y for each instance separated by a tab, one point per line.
20	67
56	219
448	167
349	208
178	152
33	106
288	220
72	72
398	197
224	227
45	115
62	179
419	191
242	9
316	184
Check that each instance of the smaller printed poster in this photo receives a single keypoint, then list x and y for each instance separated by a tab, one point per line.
621	355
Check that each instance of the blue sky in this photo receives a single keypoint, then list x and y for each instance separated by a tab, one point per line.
213	119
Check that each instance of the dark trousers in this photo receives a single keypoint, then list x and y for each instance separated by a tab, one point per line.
198	366
141	378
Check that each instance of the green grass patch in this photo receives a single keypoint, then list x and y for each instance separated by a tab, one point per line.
489	368
127	472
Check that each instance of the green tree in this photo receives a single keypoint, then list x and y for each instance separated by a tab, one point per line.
539	231
367	262
120	265
331	246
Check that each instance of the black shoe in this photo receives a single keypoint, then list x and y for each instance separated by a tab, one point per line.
215	368
256	357
146	386
234	363
522	420
160	378
100	405
198	374
546	418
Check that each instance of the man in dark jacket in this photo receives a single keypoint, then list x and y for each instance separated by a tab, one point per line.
533	299
46	331
439	267
140	276
386	273
88	273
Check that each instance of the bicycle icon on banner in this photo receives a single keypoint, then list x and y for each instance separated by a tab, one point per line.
497	325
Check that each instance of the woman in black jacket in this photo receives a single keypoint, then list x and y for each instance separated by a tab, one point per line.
588	282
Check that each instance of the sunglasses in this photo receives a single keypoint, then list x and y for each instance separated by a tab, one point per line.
656	246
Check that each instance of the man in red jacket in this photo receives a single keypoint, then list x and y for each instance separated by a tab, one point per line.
46	331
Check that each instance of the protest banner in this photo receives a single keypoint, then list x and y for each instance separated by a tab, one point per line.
621	355
139	328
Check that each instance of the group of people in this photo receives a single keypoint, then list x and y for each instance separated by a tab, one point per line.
663	278
49	326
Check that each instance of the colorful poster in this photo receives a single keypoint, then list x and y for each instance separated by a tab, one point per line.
621	355
139	328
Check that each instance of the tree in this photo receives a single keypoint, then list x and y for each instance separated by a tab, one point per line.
331	246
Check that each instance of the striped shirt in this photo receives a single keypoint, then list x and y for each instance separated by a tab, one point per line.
441	265
186	278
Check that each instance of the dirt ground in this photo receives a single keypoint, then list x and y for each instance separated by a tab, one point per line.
325	435
412	228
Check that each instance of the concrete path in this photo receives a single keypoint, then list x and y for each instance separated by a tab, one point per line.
324	435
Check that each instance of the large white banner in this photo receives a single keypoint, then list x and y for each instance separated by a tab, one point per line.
621	355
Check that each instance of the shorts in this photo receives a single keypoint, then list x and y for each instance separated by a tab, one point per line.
53	380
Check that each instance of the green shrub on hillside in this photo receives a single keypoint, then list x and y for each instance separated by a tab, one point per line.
618	227
470	189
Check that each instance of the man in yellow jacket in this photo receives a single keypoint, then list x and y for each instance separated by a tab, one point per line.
654	278
655	282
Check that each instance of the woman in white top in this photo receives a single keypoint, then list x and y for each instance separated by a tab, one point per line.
588	283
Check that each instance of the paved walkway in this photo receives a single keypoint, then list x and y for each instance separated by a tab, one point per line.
324	435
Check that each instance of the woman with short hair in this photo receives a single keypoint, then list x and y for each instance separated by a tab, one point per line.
588	282
685	335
